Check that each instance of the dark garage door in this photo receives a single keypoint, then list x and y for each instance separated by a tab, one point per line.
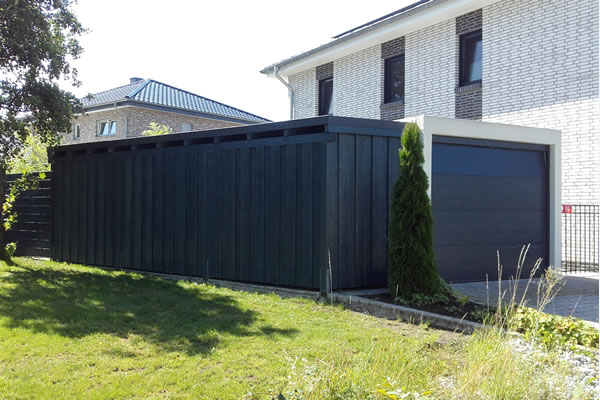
488	196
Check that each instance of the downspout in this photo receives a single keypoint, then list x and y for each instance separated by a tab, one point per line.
290	90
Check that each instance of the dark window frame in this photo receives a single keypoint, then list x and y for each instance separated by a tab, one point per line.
463	63
321	94
387	79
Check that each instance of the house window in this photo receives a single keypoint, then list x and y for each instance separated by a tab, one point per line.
394	79
77	132
106	128
325	95
186	127
470	58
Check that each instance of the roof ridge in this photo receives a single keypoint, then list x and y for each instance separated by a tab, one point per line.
197	95
111	89
138	89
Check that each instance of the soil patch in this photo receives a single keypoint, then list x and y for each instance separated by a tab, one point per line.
468	311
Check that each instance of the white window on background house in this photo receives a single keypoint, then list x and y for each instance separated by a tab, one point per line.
106	128
77	132
186	127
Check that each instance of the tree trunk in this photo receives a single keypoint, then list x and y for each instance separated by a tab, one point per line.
3	256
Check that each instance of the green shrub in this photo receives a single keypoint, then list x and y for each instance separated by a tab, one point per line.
9	250
553	330
411	267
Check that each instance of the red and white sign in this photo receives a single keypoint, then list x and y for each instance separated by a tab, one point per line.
567	209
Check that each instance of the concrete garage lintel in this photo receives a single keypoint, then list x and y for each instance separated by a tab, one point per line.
469	129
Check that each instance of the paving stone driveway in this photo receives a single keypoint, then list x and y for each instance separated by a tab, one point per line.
578	297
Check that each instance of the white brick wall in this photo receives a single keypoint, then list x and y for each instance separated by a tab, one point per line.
358	77
305	93
540	68
430	71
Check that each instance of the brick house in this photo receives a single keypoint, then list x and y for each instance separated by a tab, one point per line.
523	62
126	111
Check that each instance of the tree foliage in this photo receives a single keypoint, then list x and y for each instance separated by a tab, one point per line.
155	129
412	267
38	41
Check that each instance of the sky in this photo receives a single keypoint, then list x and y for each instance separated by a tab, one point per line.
212	48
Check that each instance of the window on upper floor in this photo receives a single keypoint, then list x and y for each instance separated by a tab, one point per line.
470	58
325	95
105	128
393	79
77	132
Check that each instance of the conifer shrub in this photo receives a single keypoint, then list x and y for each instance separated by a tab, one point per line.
411	266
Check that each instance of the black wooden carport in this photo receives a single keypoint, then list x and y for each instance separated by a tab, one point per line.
268	203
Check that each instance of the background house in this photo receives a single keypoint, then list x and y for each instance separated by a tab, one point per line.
126	111
524	62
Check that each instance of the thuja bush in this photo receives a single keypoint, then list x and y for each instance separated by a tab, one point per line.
412	267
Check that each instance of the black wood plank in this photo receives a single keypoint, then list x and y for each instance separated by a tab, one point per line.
100	212
191	214
288	215
90	195
379	206
272	213
180	213
127	204
363	209
76	234
214	175
157	214
257	215
169	212
242	208
202	215
304	214
147	217
319	237
229	214
137	187
347	212
109	216
332	205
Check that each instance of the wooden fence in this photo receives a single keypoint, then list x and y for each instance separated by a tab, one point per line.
32	232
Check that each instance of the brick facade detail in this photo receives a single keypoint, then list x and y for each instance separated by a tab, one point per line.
324	71
469	22
132	121
392	48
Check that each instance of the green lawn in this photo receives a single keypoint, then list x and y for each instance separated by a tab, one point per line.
70	331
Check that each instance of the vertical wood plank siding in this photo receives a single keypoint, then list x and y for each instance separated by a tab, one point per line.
270	204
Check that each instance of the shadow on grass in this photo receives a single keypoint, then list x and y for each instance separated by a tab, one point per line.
75	304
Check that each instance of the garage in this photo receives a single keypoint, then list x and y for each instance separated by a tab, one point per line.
488	196
304	203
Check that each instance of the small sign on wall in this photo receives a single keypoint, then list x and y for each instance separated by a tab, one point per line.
567	209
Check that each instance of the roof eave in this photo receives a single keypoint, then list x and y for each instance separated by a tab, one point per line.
421	17
159	107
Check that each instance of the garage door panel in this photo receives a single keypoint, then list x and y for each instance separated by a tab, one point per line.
487	200
460	192
483	228
484	161
481	260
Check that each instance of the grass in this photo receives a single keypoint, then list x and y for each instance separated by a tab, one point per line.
69	331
